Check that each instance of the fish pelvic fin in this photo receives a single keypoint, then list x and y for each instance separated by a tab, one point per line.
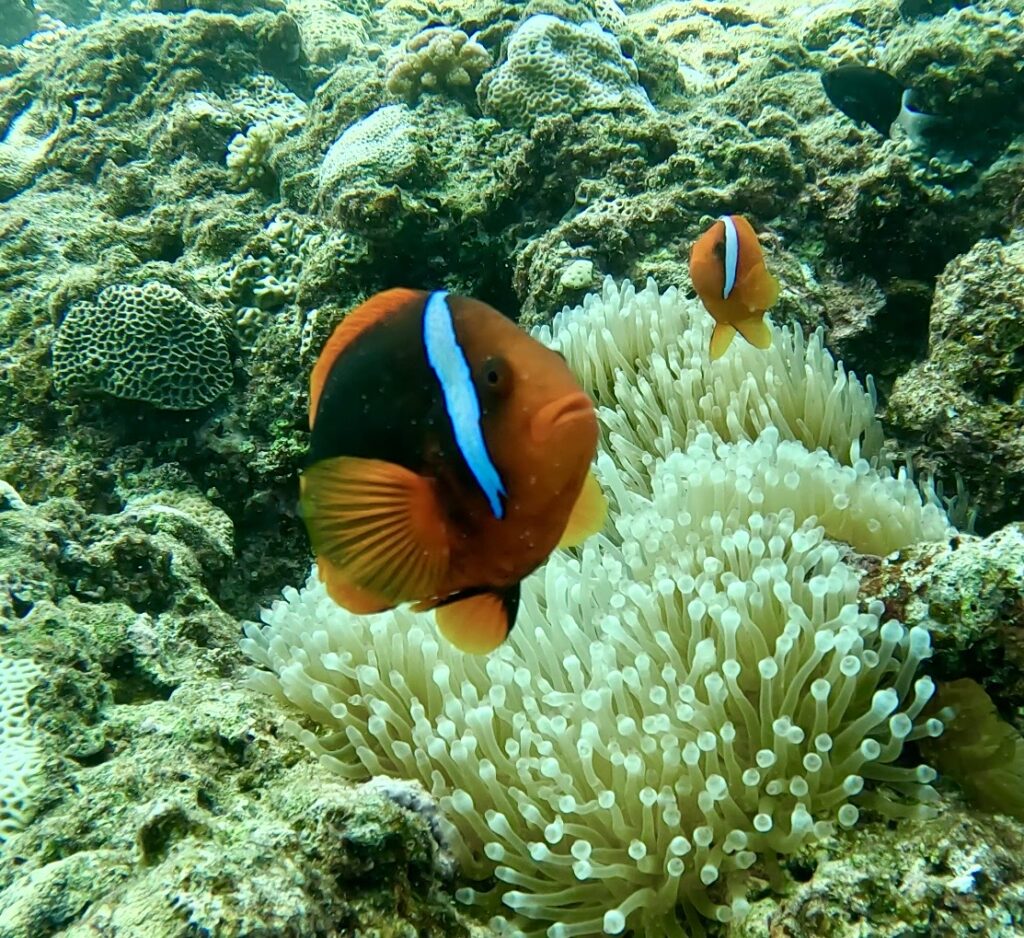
478	622
756	331
379	525
587	515
721	339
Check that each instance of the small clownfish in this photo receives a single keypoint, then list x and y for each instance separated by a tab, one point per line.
727	270
449	455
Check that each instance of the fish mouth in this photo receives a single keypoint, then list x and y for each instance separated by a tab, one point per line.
573	408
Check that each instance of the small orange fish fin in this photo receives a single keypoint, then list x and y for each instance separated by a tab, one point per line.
356	322
759	290
588	514
721	339
348	595
755	330
479	622
379	524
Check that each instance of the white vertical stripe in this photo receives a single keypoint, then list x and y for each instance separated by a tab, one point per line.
732	255
448	362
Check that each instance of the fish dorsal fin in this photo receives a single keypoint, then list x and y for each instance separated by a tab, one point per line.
756	331
587	515
721	339
480	622
356	322
380	525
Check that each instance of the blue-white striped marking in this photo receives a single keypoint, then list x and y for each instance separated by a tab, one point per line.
448	362
732	255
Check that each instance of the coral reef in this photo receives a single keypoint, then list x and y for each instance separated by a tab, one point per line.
957	875
20	754
147	343
18	19
437	59
170	801
970	596
959	412
553	66
184	145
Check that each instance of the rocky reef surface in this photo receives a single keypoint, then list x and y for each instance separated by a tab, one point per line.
248	171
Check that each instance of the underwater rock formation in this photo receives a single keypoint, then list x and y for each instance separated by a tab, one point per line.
959	412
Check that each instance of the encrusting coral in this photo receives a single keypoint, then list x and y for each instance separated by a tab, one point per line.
553	66
20	755
692	694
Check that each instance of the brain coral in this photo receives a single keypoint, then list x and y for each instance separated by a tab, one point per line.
555	67
694	692
20	758
437	59
147	343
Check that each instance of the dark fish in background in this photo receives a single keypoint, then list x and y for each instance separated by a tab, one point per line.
866	95
873	96
921	9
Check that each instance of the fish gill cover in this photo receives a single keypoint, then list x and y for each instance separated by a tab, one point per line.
519	155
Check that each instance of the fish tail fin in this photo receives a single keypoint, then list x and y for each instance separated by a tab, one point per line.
479	622
721	339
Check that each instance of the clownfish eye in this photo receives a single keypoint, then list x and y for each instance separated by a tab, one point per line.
495	374
719	249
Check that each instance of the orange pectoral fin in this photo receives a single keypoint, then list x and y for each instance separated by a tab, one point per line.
721	339
480	622
379	526
755	330
588	514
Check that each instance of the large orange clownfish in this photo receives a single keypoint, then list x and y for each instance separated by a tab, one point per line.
449	455
728	272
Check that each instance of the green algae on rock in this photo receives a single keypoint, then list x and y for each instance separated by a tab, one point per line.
956	875
969	594
959	412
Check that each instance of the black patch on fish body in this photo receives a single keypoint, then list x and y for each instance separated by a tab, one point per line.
865	94
381	400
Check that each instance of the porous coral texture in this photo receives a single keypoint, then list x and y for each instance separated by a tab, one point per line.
148	343
694	692
439	58
555	67
20	755
378	143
